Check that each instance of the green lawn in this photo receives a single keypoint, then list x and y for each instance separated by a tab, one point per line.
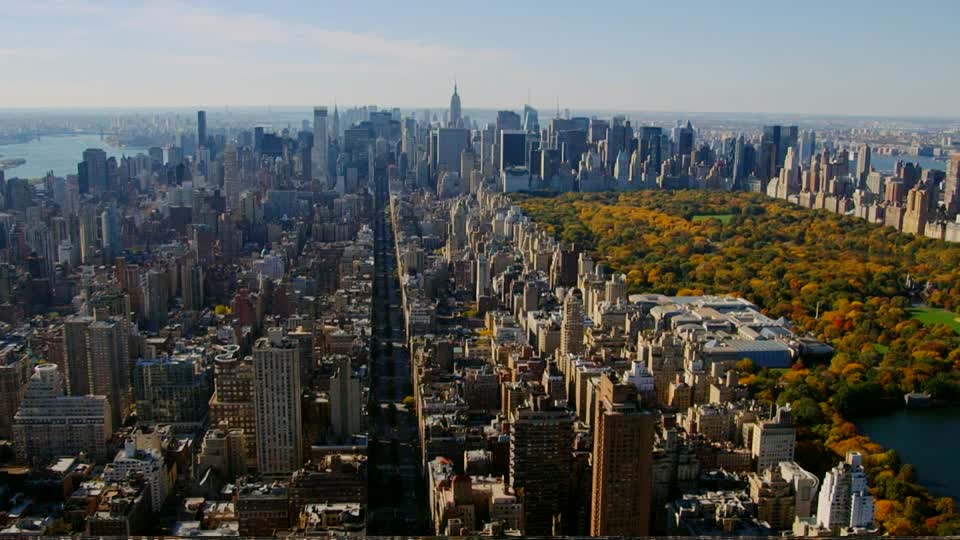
930	315
722	218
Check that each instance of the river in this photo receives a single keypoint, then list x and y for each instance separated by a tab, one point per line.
925	438
57	153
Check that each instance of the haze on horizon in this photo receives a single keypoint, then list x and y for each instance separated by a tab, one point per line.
882	58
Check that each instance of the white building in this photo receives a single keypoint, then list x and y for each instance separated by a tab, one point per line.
774	440
147	462
276	366
345	399
844	500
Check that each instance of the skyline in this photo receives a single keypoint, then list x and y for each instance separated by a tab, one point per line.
600	59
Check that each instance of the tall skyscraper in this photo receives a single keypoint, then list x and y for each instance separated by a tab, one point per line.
571	328
345	399
513	148
75	350
110	227
622	462
844	499
541	464
863	164
320	144
454	118
108	365
231	176
951	184
201	129
95	160
231	406
276	367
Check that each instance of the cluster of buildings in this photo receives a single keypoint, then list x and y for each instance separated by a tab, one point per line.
185	336
550	401
185	340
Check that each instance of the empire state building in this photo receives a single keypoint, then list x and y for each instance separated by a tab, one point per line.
454	119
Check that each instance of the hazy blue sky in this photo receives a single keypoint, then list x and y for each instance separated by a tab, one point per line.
856	57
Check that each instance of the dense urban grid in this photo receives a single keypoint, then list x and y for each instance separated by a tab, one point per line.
353	327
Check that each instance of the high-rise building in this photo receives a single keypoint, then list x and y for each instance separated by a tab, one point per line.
513	148
451	142
951	184
541	464
276	367
231	406
110	229
201	129
773	149
50	424
454	118
320	144
155	286
108	369
171	391
95	160
774	440
231	176
191	286
75	351
683	139
774	497
863	164
345	399
844	499
571	328
15	371
622	462
483	276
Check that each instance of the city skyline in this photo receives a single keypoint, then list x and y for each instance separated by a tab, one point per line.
626	57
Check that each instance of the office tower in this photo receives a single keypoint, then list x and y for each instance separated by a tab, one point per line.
50	424
231	176
483	276
276	367
191	286
739	168
777	139
201	129
622	461
454	118
513	149
96	169
345	400
531	120
451	142
155	286
650	146
75	349
774	440
110	229
320	144
844	499
541	463
917	211
231	405
863	165
171	391
683	139
108	368
808	143
571	328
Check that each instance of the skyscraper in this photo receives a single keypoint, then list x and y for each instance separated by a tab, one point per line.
95	160
541	463
108	368
231	406
201	129
231	176
863	164
454	118
345	399
622	462
320	144
276	367
513	148
110	226
844	499
571	328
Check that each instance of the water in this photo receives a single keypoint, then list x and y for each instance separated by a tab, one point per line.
925	438
57	153
886	164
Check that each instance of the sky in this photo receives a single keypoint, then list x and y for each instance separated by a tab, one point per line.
857	57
